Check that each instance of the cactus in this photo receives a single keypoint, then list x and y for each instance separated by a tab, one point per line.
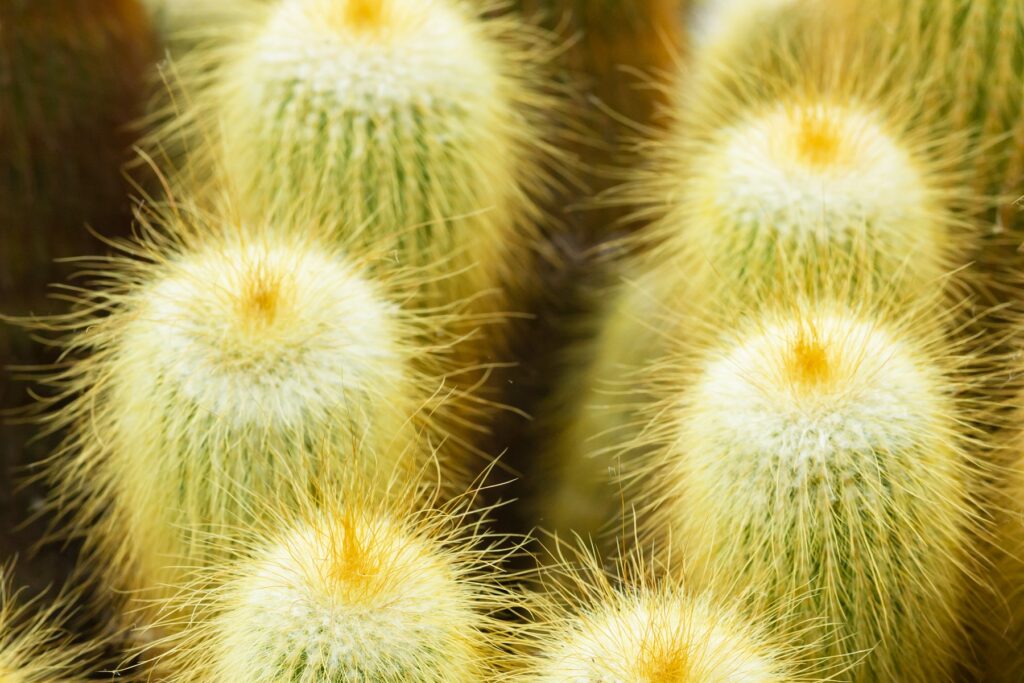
818	453
635	628
34	645
593	413
790	145
407	123
347	591
219	362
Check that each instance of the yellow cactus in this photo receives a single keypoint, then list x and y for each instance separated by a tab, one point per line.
347	591
634	628
411	125
788	147
817	452
219	362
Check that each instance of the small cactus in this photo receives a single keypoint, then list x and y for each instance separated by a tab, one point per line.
218	363
818	453
595	628
408	124
347	591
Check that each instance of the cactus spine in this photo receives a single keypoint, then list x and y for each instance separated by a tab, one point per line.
219	363
34	646
411	125
349	591
820	456
637	629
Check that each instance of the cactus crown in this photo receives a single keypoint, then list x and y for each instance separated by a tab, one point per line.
830	366
347	591
262	331
634	627
816	166
368	56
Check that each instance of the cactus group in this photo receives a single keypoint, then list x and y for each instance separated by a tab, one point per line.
795	228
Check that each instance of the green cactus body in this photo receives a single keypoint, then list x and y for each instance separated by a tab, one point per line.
353	593
819	456
411	125
595	412
221	374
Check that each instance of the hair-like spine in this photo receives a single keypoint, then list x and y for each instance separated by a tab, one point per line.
348	589
821	452
590	625
218	366
35	646
413	125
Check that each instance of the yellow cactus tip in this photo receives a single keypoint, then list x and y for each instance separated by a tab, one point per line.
795	161
363	14
657	637
352	595
255	319
807	362
818	140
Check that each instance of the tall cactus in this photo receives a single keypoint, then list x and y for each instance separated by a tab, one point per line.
347	591
818	453
411	123
222	367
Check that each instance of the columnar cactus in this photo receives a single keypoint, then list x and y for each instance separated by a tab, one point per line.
411	125
347	592
634	629
220	364
789	145
34	645
818	454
